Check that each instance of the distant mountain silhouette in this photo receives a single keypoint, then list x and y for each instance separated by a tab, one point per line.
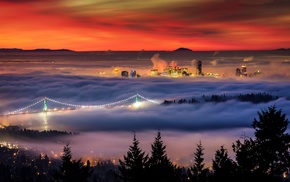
183	49
34	50
282	49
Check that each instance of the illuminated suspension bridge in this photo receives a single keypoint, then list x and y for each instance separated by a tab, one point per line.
24	110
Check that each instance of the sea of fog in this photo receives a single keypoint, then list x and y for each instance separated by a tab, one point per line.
87	78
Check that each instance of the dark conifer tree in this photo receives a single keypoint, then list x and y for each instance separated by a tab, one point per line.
224	169
71	170
66	157
245	151
198	172
161	168
267	156
134	168
273	144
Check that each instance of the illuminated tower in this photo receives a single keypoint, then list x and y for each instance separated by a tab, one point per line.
238	72
133	73
244	70
136	104
124	74
44	105
199	68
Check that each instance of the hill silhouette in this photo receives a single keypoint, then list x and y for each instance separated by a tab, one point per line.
183	49
17	50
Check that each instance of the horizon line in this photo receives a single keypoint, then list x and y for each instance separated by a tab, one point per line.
164	50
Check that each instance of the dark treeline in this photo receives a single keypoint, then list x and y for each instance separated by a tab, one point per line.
16	132
26	166
265	157
254	98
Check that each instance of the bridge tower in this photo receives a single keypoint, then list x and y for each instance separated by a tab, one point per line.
44	105
136	104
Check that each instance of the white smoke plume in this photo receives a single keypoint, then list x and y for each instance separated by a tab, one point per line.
216	53
158	63
214	62
173	64
193	62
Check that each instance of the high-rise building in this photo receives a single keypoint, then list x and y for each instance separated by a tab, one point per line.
244	70
133	73
154	72
238	72
199	68
124	74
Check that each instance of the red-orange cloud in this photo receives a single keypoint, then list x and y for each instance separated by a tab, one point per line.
100	25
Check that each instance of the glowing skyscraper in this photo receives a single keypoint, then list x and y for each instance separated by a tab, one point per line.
244	70
199	68
238	72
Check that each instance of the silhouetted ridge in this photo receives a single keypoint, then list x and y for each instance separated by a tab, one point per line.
16	50
282	49
183	49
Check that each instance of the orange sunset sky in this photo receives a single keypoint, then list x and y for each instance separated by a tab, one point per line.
145	24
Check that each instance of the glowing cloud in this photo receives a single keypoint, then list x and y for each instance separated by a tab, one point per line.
248	59
150	25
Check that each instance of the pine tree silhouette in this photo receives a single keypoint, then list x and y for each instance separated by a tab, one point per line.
267	156
198	172
224	169
71	170
273	144
161	168
134	168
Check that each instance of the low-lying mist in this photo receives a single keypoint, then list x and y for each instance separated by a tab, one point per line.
106	132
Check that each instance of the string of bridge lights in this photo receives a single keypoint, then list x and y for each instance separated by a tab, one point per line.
80	106
152	101
23	108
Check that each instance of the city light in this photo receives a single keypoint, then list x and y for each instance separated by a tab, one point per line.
137	104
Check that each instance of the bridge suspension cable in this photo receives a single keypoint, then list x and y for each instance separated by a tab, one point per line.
152	101
23	108
117	102
63	103
85	106
80	106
